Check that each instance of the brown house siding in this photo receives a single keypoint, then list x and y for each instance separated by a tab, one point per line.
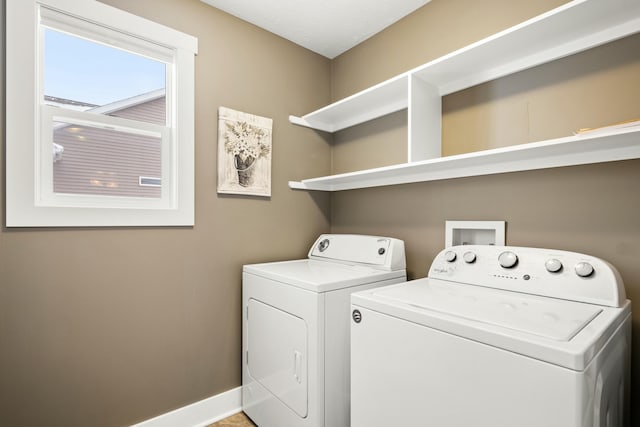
103	162
153	111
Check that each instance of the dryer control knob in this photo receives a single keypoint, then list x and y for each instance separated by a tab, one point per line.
553	265
323	245
584	269
450	256
508	259
469	257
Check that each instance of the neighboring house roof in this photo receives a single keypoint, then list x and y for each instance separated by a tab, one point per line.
69	103
128	102
109	109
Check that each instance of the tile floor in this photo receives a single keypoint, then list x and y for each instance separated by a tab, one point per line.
237	420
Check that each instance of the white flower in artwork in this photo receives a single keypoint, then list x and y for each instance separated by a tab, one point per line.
247	141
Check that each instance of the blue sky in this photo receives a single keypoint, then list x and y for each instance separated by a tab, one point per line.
81	70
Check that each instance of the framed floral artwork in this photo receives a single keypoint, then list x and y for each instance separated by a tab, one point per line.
244	153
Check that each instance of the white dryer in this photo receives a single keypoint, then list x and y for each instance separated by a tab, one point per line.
295	329
494	337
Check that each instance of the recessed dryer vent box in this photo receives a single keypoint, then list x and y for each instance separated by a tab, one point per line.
474	233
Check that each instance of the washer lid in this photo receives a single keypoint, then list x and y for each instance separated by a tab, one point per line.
320	276
565	333
546	317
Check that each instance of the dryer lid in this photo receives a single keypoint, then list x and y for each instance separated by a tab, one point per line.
321	276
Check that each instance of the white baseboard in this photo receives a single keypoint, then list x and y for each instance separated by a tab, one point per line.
200	414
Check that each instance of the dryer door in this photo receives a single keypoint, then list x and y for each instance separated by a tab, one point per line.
277	354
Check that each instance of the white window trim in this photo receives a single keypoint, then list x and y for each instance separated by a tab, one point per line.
24	207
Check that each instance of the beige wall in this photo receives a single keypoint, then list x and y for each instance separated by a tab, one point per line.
592	209
107	327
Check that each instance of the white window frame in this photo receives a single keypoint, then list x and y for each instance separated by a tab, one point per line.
30	200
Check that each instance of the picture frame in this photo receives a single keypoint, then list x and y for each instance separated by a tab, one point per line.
244	153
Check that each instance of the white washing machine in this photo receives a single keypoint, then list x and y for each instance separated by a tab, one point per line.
494	337
295	329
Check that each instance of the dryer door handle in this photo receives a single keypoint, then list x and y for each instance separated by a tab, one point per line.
297	365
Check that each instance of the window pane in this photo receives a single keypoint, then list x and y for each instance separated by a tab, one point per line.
97	161
83	75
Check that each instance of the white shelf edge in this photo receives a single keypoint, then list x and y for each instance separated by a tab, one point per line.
567	151
562	50
300	121
376	101
351	120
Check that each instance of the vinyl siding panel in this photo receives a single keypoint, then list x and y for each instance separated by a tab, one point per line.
153	111
104	162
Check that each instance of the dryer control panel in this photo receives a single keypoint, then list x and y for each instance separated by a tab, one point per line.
547	272
384	253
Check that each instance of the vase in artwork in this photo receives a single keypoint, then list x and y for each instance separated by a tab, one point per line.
245	169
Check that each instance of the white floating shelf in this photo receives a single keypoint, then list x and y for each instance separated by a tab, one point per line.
574	150
571	28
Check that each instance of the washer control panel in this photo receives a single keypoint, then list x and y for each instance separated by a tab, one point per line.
547	272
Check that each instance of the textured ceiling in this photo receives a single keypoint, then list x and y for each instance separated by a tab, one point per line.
328	27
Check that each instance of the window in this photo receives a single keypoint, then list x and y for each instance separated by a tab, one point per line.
99	117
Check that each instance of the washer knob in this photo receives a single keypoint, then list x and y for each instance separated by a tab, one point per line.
553	265
584	269
508	259
469	257
450	256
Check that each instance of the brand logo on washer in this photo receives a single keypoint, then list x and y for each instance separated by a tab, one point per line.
357	316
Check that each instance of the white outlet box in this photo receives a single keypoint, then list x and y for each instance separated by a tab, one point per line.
474	233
